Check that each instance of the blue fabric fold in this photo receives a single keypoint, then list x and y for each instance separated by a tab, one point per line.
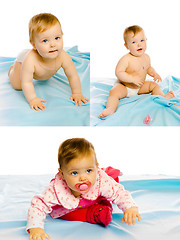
60	110
132	111
157	197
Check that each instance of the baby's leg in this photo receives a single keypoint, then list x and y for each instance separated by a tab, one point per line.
153	87
14	75
117	92
77	215
99	212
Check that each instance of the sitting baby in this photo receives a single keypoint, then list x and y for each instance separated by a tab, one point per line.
131	72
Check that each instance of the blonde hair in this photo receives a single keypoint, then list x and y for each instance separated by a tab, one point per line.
73	148
40	23
134	29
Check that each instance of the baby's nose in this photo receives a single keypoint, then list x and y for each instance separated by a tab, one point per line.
82	178
52	43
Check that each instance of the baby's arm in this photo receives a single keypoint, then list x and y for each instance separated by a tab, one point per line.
73	78
151	72
38	233
40	206
116	193
122	74
28	87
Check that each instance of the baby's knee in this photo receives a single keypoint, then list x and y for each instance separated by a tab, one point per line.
153	85
113	92
15	84
18	88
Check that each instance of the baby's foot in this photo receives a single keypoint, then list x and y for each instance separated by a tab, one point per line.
108	111
99	213
104	216
169	95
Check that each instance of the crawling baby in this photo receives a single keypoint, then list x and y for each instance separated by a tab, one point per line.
43	61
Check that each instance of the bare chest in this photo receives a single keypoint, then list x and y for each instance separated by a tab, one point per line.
138	65
46	71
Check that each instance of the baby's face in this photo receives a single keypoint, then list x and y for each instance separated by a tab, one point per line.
80	174
136	43
49	43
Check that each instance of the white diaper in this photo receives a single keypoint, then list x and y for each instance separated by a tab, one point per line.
22	54
132	92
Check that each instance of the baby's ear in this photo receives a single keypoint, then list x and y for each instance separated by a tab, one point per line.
33	45
61	173
125	45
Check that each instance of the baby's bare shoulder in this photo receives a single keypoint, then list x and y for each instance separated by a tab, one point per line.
147	57
30	60
124	60
64	56
126	57
66	59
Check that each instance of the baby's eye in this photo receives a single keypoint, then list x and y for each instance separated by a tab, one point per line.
57	38
74	173
44	41
89	171
133	42
142	40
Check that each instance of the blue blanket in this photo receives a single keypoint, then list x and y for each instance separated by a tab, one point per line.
60	111
132	111
158	199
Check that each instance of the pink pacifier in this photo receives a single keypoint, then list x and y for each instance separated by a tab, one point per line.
147	120
83	186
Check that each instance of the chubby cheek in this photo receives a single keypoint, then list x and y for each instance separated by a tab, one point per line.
71	183
133	48
60	47
41	49
93	179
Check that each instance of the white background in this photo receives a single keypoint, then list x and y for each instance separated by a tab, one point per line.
96	26
142	150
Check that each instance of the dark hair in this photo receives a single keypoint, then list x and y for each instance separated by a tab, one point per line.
73	148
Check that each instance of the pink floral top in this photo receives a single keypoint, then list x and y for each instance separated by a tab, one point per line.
58	200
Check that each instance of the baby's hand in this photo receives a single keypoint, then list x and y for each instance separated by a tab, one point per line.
38	234
157	77
138	82
130	215
36	104
77	98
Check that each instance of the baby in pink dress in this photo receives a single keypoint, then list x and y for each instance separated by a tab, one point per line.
80	191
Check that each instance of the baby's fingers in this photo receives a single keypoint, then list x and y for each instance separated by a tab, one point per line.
35	108
38	107
79	103
43	100
134	219
85	100
46	236
73	99
125	218
42	106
